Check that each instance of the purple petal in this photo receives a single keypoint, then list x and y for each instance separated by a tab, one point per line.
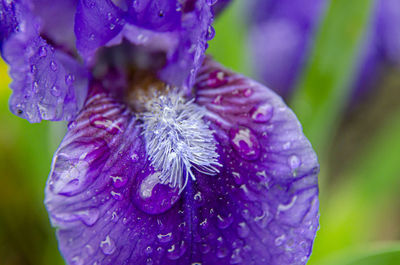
57	20
47	83
388	28
8	20
267	189
109	206
281	34
180	31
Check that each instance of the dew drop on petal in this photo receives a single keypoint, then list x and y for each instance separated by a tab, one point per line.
89	216
107	246
164	238
262	113
236	258
55	91
69	79
151	195
119	181
116	195
245	143
294	162
243	230
53	66
224	221
176	251
217	79
42	51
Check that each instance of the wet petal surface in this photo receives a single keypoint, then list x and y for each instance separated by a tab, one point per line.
262	208
47	83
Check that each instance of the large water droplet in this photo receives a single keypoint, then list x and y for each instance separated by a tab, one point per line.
151	195
89	216
222	252
262	113
107	246
98	121
245	143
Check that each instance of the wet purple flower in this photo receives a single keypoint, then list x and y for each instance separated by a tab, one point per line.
282	33
171	159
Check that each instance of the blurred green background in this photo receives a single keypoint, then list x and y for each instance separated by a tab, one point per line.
359	149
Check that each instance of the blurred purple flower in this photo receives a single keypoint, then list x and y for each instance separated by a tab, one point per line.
171	159
282	33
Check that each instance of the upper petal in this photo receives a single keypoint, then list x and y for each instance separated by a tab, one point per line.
178	30
47	83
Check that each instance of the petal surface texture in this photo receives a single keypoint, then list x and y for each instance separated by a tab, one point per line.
261	208
47	83
177	29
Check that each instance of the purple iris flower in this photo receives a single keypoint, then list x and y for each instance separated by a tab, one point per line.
169	157
282	33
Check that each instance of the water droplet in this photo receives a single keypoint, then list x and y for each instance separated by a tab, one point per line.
72	125
148	250
204	224
119	181
224	222
107	246
245	143
205	248
77	260
91	37
164	238
279	240
33	69
245	214
151	195
197	197
90	216
112	26
98	121
262	113
248	92
53	66
294	162
222	252
55	91
243	230
236	258
109	16
161	13
210	33
134	157
176	251
42	51
262	220
69	79
35	87
149	261
117	196
217	79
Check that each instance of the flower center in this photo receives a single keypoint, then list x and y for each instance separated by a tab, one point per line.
178	140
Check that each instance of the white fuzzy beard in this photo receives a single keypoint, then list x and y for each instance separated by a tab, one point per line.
178	139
